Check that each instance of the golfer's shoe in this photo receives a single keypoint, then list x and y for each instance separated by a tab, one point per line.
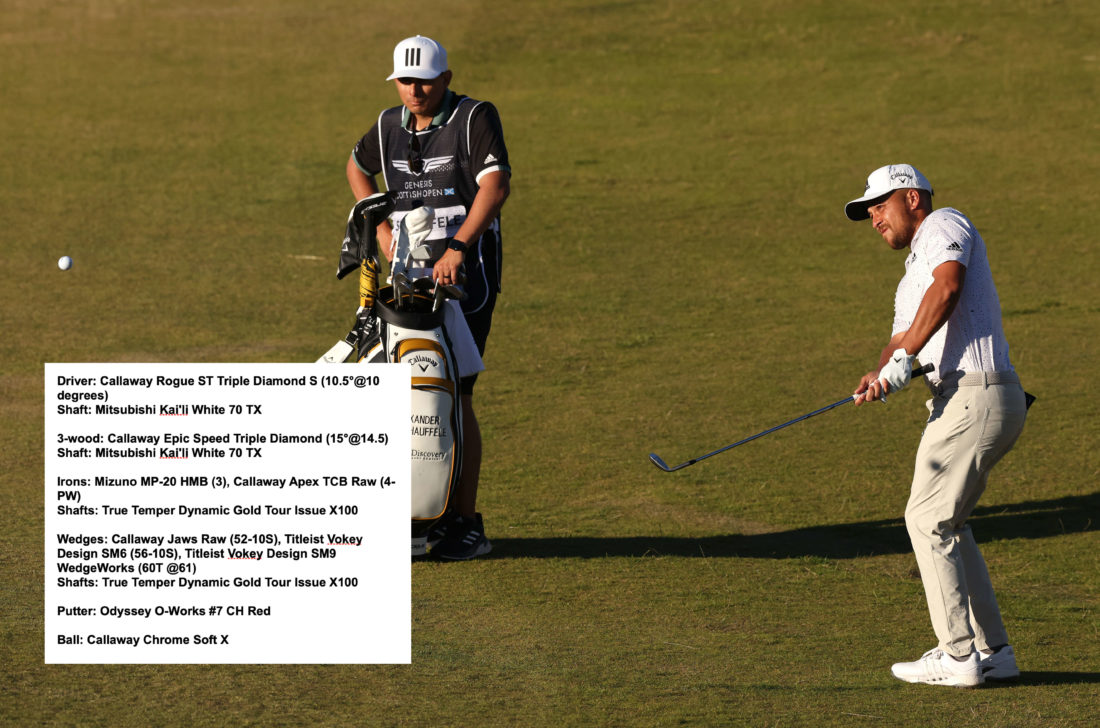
465	539
936	667
1001	665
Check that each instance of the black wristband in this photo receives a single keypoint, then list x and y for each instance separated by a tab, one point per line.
458	245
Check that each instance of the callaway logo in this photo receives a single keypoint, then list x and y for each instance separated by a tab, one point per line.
904	177
430	164
344	249
956	247
423	362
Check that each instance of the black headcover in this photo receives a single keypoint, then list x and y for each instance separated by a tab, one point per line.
360	237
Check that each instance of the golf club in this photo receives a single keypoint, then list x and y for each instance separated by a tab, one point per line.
656	459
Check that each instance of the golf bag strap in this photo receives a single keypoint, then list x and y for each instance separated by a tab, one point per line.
436	382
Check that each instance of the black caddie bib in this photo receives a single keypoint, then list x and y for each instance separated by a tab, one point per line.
438	174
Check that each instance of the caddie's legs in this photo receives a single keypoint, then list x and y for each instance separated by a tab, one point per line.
471	459
967	433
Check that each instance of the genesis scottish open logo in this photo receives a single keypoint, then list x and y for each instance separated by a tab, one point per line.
430	164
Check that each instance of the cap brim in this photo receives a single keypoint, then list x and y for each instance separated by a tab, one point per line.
422	75
856	210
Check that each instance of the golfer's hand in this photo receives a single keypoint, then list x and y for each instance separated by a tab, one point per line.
871	388
446	269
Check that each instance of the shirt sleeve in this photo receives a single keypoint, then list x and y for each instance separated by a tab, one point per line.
487	150
368	153
951	239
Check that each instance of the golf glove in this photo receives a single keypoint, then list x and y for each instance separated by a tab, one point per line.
898	371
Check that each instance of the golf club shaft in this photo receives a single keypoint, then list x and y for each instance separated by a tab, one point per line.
851	398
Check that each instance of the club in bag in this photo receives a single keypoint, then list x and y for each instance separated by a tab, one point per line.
656	459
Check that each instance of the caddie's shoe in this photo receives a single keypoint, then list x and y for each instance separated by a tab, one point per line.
438	531
1000	665
465	540
936	667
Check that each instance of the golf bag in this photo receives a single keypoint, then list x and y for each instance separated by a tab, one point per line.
403	323
414	334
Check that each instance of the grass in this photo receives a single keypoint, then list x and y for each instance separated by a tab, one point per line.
678	275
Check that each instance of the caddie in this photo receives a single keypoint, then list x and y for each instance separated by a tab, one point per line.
445	150
947	313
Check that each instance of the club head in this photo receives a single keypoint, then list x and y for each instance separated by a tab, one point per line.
659	462
337	354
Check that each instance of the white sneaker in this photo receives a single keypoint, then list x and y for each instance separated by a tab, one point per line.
1001	665
936	667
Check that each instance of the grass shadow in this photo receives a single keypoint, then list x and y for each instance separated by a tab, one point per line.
1029	519
1031	677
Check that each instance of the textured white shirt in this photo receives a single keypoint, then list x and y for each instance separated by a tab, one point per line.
973	339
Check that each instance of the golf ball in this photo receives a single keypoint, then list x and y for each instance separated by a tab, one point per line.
65	262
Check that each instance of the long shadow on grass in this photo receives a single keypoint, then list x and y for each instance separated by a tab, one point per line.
1030	519
1031	677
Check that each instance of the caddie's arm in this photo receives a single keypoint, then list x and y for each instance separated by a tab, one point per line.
935	309
488	201
362	186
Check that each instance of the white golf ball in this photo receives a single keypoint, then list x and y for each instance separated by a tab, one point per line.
65	262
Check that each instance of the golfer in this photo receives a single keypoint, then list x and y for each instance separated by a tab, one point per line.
445	150
946	312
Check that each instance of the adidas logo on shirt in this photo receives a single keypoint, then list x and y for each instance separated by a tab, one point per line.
956	247
490	159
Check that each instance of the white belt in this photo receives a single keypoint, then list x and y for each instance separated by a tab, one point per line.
953	380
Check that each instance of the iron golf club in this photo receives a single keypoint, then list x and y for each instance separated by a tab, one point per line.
656	459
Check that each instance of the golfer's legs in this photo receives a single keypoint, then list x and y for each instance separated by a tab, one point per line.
985	615
966	435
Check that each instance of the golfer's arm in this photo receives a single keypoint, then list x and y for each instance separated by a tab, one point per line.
488	201
895	342
935	308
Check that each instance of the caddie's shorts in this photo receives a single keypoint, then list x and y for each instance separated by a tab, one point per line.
482	287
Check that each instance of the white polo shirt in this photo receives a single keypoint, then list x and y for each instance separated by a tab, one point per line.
973	339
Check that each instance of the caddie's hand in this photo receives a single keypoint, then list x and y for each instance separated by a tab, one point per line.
385	240
898	371
446	269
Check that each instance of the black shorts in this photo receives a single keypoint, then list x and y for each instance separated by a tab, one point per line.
482	287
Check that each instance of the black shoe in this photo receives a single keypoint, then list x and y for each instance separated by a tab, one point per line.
465	539
438	531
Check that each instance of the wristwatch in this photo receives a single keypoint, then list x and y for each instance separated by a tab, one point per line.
458	245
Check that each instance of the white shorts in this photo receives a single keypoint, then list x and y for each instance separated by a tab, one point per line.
462	341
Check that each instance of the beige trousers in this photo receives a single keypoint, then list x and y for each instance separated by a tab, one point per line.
973	423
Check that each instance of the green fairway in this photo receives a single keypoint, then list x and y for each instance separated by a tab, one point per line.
678	275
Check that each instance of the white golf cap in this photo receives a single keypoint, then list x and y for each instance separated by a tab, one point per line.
882	182
418	57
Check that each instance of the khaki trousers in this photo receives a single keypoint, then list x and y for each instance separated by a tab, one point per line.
974	421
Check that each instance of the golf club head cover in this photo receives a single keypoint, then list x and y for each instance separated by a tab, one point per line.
412	251
367	329
360	241
898	371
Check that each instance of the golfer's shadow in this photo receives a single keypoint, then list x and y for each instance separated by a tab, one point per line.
1030	519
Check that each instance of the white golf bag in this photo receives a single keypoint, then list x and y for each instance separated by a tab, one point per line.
404	323
415	335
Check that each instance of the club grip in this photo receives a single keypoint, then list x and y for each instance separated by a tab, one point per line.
926	369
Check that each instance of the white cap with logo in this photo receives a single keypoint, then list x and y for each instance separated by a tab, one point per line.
882	182
418	57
